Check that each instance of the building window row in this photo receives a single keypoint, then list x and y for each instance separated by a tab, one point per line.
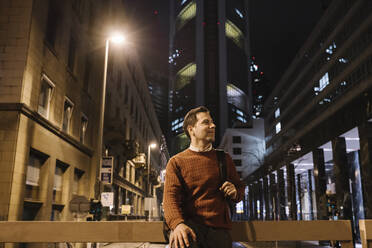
177	124
36	171
185	76
234	33
346	32
186	14
44	105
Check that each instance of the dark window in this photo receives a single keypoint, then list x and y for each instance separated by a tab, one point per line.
237	139
240	174
237	162
52	23
71	54
237	150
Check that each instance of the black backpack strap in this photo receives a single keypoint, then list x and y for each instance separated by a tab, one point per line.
222	165
223	175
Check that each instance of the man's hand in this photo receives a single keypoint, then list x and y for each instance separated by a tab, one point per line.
179	236
229	190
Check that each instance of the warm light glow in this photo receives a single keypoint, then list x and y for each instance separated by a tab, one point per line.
152	145
117	38
234	33
186	14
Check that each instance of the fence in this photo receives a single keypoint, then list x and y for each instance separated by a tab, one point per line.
122	231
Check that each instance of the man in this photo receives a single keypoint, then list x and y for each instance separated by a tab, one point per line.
199	217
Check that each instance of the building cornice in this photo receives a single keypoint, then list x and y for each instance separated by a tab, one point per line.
39	119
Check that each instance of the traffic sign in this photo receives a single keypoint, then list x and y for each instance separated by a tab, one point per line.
106	171
79	204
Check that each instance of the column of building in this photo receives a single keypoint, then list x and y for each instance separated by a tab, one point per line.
310	192
291	192
299	196
281	195
266	193
341	174
320	180
365	139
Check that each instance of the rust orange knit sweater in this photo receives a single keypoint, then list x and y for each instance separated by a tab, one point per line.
204	203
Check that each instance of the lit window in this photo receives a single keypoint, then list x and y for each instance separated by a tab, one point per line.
239	13
45	96
343	60
67	113
186	14
185	75
239	208
324	81
278	127
84	126
177	124
331	48
234	33
277	113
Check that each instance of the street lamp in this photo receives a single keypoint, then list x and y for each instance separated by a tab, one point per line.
152	145
116	38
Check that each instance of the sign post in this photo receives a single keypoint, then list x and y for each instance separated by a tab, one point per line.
106	171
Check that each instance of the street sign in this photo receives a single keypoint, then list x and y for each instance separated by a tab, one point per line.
106	171
79	204
107	199
126	209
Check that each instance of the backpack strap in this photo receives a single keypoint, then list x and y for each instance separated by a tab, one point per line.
222	164
223	175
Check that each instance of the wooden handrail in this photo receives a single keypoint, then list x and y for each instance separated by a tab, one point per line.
121	231
365	227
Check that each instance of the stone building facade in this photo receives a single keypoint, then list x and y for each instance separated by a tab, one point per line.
51	69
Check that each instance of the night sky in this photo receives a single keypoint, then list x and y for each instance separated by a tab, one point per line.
278	30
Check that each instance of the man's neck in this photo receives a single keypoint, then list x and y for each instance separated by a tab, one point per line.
200	146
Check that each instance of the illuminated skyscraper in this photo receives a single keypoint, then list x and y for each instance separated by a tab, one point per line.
209	64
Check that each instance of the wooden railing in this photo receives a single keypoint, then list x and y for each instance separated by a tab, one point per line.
365	227
121	231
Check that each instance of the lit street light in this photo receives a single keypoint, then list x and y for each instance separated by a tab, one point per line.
116	38
152	145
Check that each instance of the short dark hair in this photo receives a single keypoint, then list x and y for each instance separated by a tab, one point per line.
190	118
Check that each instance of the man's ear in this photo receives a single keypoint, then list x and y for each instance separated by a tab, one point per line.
189	129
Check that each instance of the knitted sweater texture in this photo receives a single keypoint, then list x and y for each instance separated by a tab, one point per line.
202	202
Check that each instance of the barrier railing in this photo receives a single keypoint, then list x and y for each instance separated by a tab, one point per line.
121	231
365	227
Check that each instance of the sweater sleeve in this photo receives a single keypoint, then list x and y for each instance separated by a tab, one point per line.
172	198
235	179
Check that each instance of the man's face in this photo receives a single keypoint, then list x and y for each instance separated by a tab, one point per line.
204	129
